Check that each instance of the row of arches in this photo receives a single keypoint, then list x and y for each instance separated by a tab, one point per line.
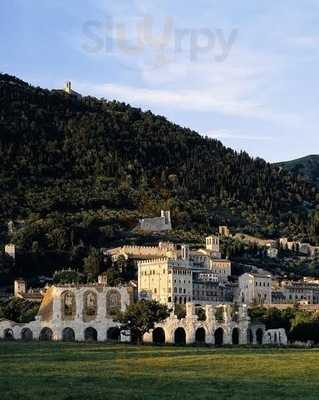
68	334
200	336
158	336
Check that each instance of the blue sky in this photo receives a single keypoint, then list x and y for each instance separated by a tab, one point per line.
243	71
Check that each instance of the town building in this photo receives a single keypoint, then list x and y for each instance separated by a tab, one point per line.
255	288
68	89
157	224
20	287
10	250
224	231
165	280
305	292
164	249
272	252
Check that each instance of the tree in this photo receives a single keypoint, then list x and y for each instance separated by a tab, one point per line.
92	264
141	317
67	276
19	310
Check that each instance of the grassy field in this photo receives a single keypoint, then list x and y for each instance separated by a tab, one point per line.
62	371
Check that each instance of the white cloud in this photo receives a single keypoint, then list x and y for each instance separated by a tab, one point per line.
224	134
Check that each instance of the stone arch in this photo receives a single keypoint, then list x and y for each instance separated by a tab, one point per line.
46	334
8	334
158	336
113	301
219	337
235	336
180	336
26	334
200	336
250	336
90	334
68	305
114	334
89	305
259	336
68	335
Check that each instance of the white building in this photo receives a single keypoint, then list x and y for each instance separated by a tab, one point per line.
255	288
272	252
10	249
156	224
165	280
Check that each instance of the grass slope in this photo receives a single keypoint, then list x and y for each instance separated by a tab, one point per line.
82	371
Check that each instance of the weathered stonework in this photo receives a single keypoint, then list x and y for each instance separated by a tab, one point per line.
71	312
231	328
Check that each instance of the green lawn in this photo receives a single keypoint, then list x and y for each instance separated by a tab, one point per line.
99	371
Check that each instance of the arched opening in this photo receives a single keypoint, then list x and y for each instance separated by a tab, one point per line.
114	334
158	336
68	305
68	335
250	336
113	302
200	336
219	337
26	334
180	336
235	336
46	334
259	336
8	334
89	305
275	338
90	334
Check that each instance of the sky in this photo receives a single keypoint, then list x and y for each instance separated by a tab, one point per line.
242	71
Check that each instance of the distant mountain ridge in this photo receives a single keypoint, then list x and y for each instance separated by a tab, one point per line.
305	166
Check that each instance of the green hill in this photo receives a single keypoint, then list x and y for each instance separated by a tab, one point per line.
80	173
307	167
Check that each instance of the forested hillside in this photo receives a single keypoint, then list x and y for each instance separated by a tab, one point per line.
79	173
307	167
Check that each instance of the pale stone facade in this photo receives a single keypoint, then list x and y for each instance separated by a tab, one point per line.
224	231
220	268
255	288
276	337
10	249
70	312
212	243
306	292
19	287
164	249
68	89
272	252
165	280
157	224
228	327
